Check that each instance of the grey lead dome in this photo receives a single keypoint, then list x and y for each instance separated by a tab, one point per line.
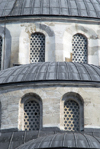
82	8
50	71
69	140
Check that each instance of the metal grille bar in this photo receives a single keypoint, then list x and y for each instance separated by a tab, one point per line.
0	51
71	116
37	48
31	116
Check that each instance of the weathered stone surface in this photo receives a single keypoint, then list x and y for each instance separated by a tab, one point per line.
58	43
52	105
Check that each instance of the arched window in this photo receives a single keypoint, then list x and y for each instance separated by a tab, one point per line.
73	112
0	51
37	48
30	112
79	48
71	116
31	115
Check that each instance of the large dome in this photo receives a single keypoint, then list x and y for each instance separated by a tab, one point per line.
80	8
51	71
69	140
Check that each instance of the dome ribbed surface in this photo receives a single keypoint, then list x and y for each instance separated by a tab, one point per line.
50	71
82	8
69	140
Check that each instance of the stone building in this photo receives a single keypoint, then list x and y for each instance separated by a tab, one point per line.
50	74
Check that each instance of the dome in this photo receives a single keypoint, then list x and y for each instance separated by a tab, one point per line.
70	140
49	74
50	71
79	8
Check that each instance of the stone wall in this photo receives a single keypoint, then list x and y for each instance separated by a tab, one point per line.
52	105
58	33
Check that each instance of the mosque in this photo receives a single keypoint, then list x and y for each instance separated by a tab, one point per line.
49	74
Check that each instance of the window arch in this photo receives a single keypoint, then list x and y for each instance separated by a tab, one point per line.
37	47
0	51
79	48
73	112
30	113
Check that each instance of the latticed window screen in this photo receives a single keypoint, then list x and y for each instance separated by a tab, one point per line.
31	115
71	116
0	51
79	48
37	48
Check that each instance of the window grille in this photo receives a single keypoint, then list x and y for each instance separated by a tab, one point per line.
31	116
79	48
0	51
37	48
71	116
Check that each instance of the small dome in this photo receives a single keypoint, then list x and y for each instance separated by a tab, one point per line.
50	71
70	140
80	8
